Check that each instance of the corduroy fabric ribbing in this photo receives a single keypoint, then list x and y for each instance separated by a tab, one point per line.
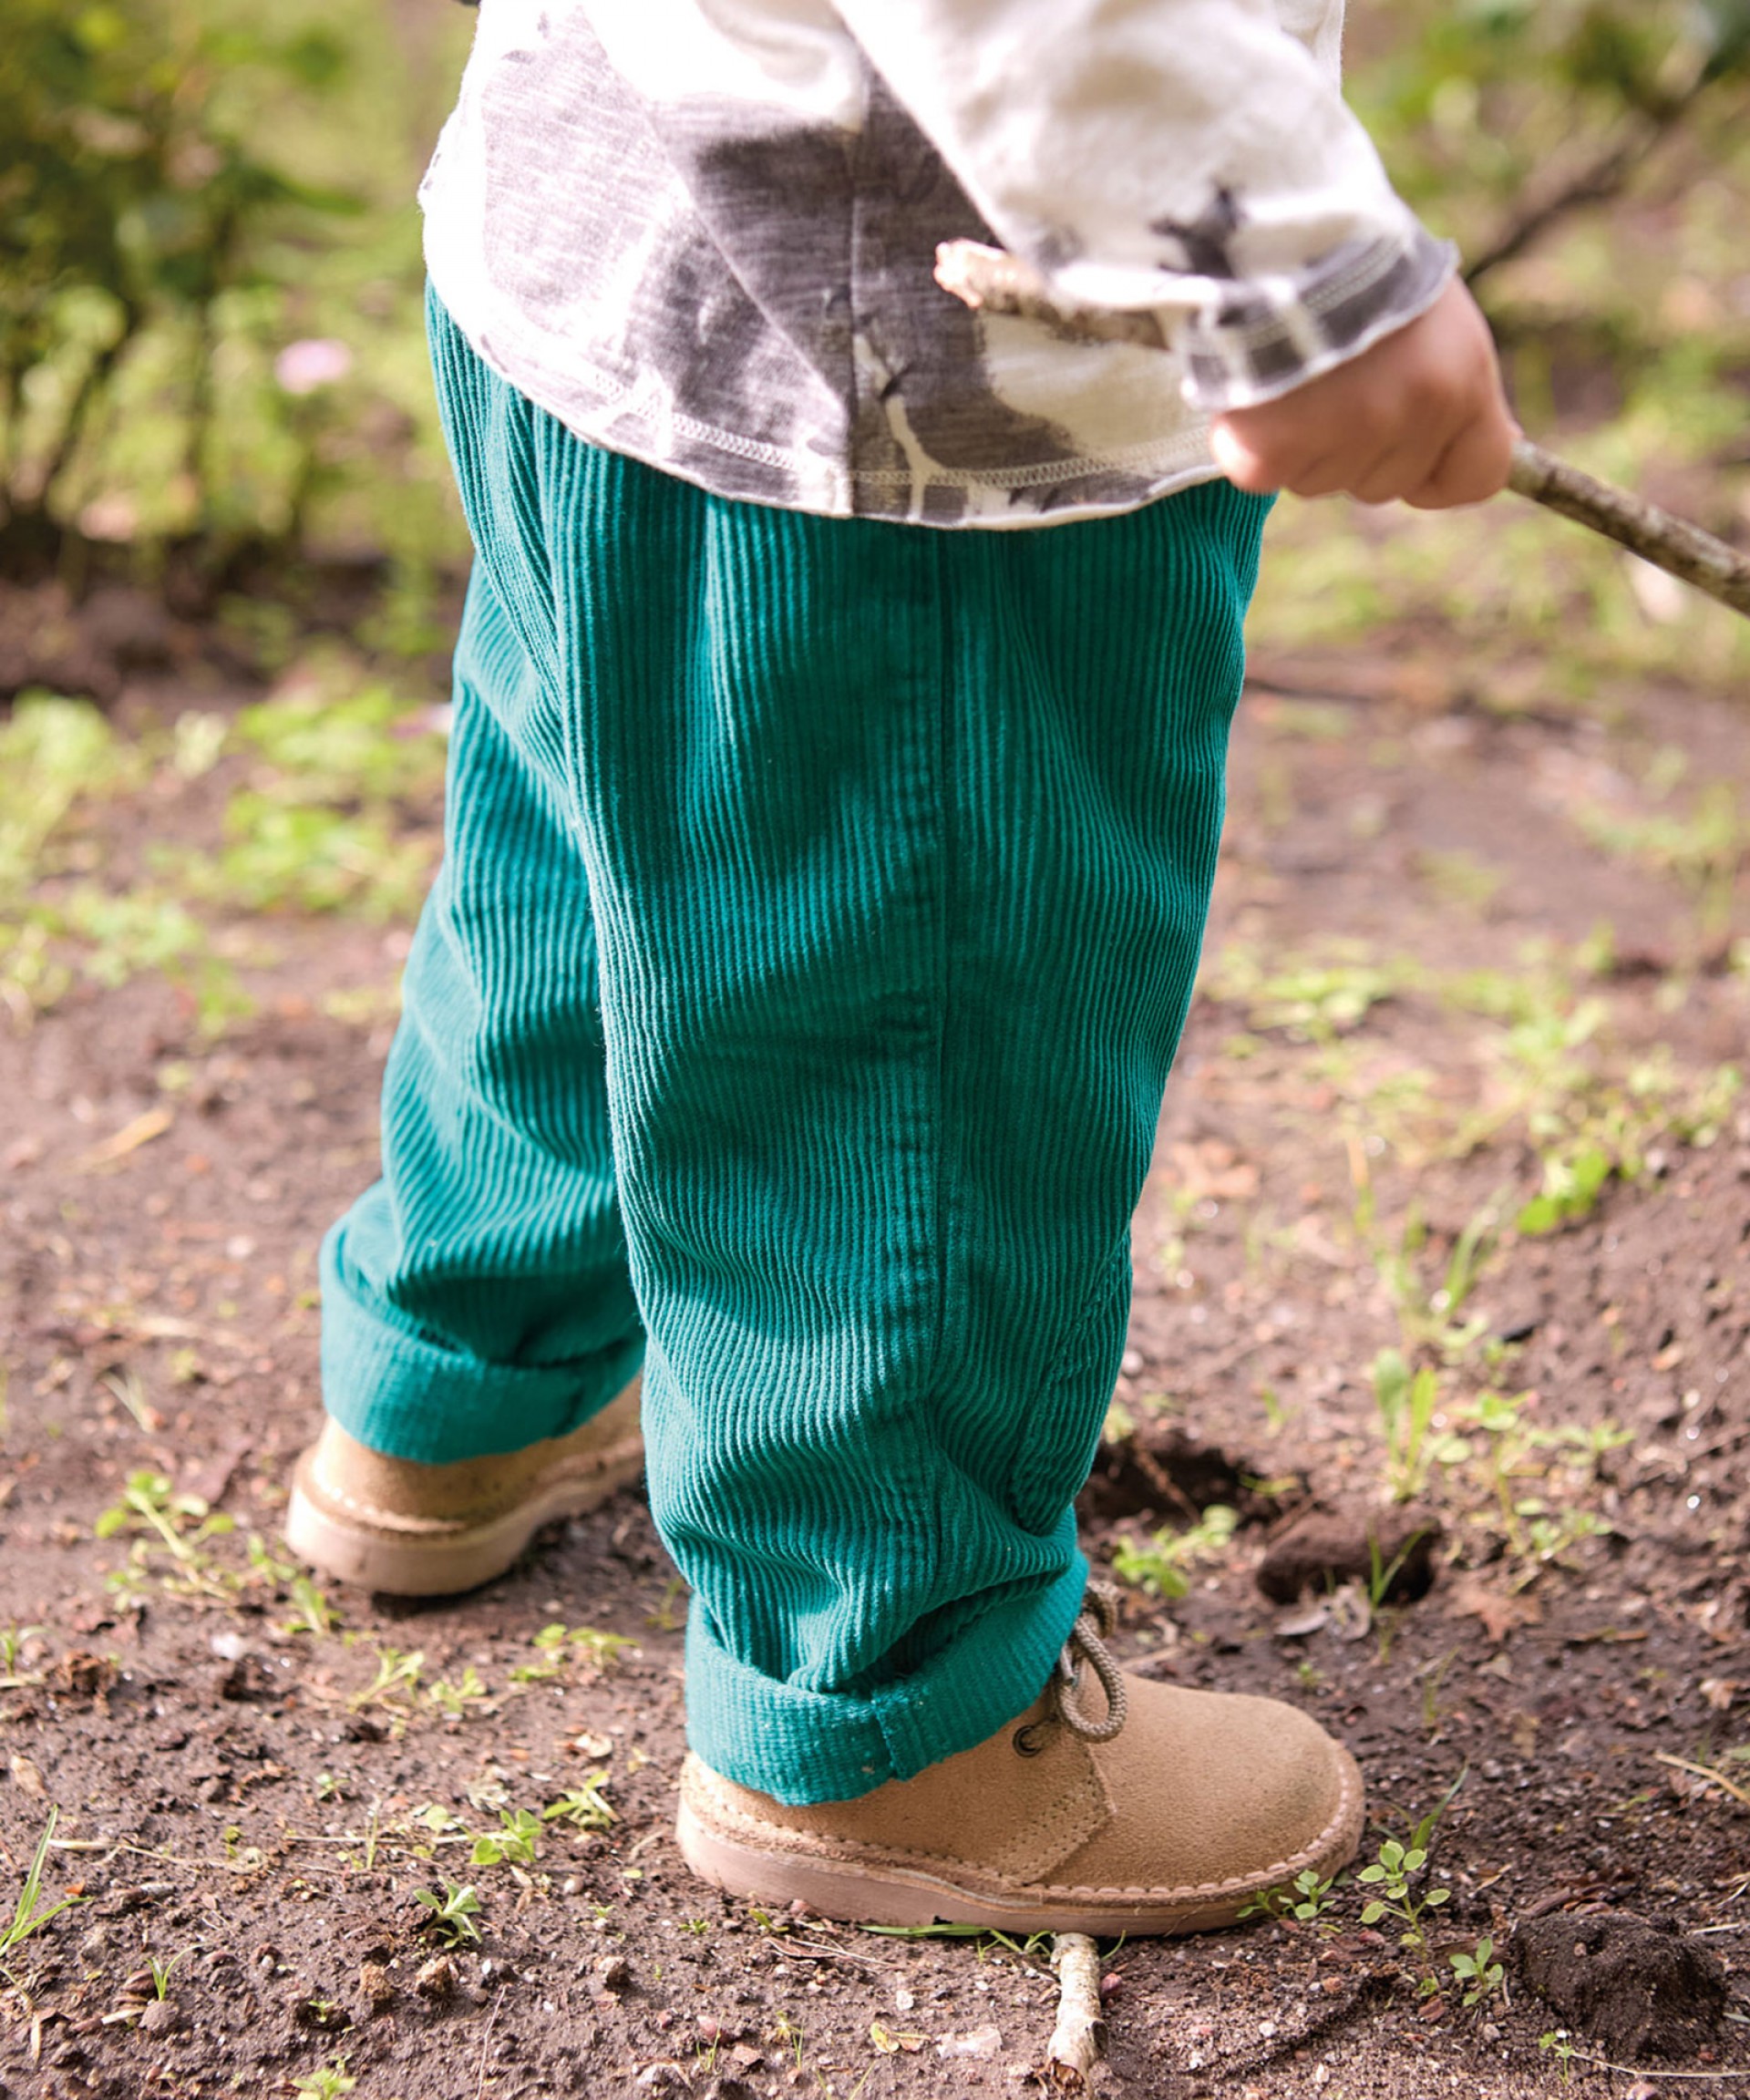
820	913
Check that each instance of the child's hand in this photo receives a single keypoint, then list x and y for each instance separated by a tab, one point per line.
1420	418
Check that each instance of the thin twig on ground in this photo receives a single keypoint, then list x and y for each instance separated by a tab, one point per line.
1078	2041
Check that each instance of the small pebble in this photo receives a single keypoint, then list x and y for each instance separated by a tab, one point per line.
436	1977
613	1973
375	1985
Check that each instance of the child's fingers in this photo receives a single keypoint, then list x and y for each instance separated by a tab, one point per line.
1472	468
1258	456
1408	465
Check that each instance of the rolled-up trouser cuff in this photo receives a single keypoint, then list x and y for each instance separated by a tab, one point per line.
801	1747
399	1392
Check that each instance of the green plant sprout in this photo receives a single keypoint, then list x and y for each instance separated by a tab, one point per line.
147	1503
1478	1972
582	1807
328	2082
1394	1872
1307	1899
452	1914
312	1614
1432	1318
788	2034
13	1641
26	1918
1517	1453
456	1699
516	1842
1556	2043
397	1679
557	1646
1160	1566
1407	1402
666	1618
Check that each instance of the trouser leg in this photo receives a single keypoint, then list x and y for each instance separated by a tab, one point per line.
899	846
477	1298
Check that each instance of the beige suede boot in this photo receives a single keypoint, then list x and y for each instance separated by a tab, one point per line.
420	1530
1133	1807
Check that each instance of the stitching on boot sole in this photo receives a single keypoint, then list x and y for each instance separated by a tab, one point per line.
775	1838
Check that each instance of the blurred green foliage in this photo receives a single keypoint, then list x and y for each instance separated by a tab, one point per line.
1591	158
327	803
192	192
1498	116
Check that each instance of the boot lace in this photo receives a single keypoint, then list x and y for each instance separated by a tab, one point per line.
1085	1648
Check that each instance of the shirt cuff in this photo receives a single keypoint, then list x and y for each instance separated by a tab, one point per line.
1274	334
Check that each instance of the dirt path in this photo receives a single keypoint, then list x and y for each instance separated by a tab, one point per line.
1463	964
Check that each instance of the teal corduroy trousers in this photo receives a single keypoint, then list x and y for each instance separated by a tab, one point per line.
792	1010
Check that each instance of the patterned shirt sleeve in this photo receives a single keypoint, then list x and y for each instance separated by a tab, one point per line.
1191	157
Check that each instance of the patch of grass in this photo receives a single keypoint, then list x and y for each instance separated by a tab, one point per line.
56	755
1703	849
29	1914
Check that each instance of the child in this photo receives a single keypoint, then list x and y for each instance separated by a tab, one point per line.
828	850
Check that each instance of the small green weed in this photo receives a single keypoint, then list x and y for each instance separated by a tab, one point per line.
452	1914
1398	1874
13	1640
1307	1900
1407	1402
460	1697
582	1807
396	1682
788	2034
1160	1566
559	1647
181	1525
326	2083
456	1700
312	1612
1478	1972
26	1917
516	1842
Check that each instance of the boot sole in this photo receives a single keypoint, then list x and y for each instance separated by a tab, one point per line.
349	1550
868	1893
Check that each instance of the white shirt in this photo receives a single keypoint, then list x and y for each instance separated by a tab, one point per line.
703	233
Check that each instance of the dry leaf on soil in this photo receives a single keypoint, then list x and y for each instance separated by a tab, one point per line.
1498	1609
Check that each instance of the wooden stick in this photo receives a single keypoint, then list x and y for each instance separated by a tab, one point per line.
1078	2041
1670	543
987	277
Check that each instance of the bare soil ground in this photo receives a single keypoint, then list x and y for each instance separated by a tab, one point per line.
1414	1025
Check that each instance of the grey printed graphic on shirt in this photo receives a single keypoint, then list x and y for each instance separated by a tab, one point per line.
704	231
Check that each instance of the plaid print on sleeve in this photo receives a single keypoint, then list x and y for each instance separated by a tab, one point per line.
1271	334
